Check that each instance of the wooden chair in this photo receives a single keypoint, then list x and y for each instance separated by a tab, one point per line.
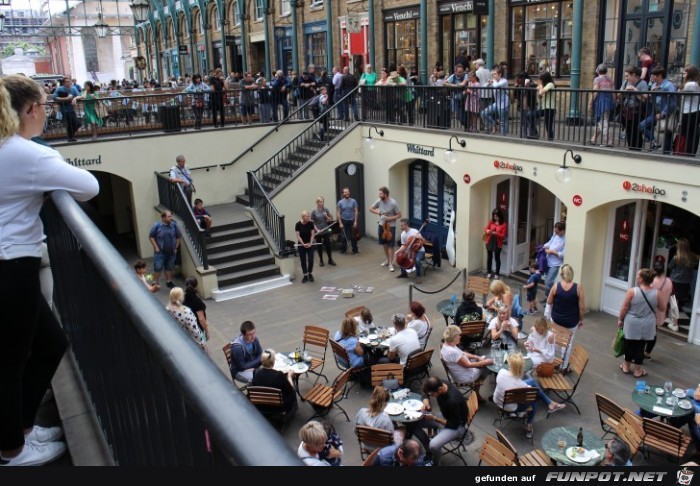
665	438
480	285
562	340
354	312
472	335
629	428
417	366
381	372
227	352
493	453
464	388
456	446
370	459
342	361
564	386
515	396
323	397
609	414
371	439
536	457
269	402
428	258
315	344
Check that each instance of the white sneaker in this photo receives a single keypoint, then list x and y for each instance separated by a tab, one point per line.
385	263
43	435
673	327
391	267
34	454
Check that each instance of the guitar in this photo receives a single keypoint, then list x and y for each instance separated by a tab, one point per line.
407	258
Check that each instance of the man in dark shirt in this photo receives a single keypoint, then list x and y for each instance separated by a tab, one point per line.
451	421
348	83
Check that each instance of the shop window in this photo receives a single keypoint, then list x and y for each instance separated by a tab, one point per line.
316	45
92	62
259	10
285	8
234	13
402	44
622	242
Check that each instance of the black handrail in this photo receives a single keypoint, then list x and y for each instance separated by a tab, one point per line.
172	196
160	400
411	286
267	211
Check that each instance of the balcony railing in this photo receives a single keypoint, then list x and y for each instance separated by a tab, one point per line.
160	400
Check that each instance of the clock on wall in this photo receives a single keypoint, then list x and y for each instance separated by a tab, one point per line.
351	169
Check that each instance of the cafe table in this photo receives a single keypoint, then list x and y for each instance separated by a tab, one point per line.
448	308
496	366
557	441
285	362
655	400
401	417
375	344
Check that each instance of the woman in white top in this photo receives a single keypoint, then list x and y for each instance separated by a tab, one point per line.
512	377
540	343
419	322
501	295
464	367
33	341
690	117
374	416
504	328
365	320
185	316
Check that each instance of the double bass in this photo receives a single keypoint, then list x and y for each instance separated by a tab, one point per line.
407	259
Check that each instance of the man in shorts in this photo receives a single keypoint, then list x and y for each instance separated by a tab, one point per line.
165	238
388	211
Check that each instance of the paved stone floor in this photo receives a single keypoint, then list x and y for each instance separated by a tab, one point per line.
280	316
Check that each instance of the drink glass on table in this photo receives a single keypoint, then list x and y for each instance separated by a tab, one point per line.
668	387
561	443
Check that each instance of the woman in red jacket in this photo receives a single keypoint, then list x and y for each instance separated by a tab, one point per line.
494	234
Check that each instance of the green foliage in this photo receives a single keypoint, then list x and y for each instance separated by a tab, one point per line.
26	46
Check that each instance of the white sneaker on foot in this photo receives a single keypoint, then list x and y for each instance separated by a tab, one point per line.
673	327
391	267
385	263
34	454
42	435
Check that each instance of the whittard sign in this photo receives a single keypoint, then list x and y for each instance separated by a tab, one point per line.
420	149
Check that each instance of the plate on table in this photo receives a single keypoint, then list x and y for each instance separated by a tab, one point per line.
659	391
678	393
685	404
412	405
413	414
299	368
372	337
364	340
578	454
374	343
393	408
385	343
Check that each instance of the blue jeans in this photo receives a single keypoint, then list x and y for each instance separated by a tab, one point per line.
348	236
549	280
533	406
646	126
419	257
489	113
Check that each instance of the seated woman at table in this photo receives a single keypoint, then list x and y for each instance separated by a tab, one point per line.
513	378
540	343
419	322
268	376
347	338
373	415
504	328
501	295
365	320
464	367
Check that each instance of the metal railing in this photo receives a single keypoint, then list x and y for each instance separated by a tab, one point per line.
411	286
271	218
173	197
160	400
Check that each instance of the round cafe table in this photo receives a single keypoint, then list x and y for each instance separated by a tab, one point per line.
401	418
448	308
648	403
496	367
591	442
284	363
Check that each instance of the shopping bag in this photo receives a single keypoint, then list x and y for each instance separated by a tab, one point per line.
618	344
673	311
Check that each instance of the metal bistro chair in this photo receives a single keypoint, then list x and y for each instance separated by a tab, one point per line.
464	388
269	402
629	428
665	438
323	397
342	361
381	372
417	366
315	345
456	446
472	335
371	439
515	396
565	386
480	285
493	453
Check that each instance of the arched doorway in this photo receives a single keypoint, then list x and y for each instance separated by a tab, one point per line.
352	176
432	196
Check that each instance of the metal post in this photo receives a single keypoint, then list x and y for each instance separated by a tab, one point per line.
329	36
424	41
490	21
370	8
242	15
574	112
295	48
695	46
224	47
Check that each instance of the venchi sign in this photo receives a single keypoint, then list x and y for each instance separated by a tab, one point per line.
636	187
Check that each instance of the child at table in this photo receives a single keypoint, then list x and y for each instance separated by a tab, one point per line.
332	451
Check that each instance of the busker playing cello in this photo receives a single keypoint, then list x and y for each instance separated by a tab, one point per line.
411	252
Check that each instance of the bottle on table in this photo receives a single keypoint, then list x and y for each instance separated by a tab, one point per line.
579	437
297	355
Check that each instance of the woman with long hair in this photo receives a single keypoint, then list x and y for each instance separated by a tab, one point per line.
547	106
347	337
322	219
681	268
90	97
602	103
373	415
540	343
567	306
185	317
637	318
502	294
196	305
33	341
495	233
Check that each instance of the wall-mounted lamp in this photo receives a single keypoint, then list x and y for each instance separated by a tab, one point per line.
101	27
450	156
563	173
369	141
139	8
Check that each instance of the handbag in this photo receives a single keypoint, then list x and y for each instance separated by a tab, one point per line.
679	144
100	110
545	370
669	124
673	311
618	343
391	384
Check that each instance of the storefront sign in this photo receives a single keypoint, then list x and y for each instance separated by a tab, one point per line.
500	164
481	7
651	190
467	178
352	23
182	49
75	161
402	14
624	234
455	7
420	149
577	200
520	2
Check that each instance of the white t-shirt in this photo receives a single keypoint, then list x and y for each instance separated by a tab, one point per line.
308	459
494	324
451	355
28	171
404	343
506	381
406	235
546	354
421	327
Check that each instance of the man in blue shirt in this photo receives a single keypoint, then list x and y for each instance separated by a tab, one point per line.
165	238
554	249
246	353
64	95
347	221
663	107
408	453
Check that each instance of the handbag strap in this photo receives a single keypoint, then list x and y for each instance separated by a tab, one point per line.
647	300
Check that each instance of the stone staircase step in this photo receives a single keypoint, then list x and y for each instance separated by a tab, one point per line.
244	276
233	244
220	258
251	287
227	268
